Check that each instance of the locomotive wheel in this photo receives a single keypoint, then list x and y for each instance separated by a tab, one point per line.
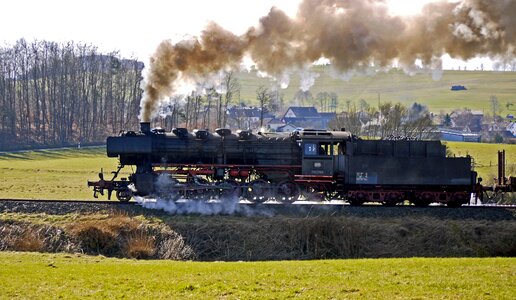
124	195
288	191
358	199
200	189
423	199
229	188
391	199
259	190
170	191
196	193
356	202
459	198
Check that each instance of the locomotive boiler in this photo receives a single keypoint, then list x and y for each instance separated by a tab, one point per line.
304	165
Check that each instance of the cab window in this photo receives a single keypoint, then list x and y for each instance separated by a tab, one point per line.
318	149
310	149
325	149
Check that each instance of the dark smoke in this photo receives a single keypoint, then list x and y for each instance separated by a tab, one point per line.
350	34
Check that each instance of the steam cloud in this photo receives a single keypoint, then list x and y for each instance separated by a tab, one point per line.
224	207
350	34
167	202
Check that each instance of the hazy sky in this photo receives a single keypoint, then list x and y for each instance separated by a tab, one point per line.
135	27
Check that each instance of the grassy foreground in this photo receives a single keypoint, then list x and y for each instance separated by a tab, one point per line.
31	275
52	174
62	174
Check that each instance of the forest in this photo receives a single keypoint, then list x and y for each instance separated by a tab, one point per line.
59	94
68	94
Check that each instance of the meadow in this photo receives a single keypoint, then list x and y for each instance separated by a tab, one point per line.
485	157
62	174
58	174
397	86
33	275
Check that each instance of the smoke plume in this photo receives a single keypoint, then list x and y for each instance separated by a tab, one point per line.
350	34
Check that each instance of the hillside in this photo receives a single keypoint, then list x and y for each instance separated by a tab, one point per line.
396	86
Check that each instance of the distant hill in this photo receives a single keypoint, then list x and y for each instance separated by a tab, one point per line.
396	86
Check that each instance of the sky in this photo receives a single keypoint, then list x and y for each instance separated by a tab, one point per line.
136	27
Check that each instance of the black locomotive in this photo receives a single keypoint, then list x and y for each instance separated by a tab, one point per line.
304	165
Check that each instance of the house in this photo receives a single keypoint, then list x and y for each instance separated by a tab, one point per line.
274	124
512	128
287	128
306	117
245	117
467	120
326	118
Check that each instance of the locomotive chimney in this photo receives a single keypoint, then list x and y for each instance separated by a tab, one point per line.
145	127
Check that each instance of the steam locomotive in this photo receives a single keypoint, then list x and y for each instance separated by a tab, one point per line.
300	166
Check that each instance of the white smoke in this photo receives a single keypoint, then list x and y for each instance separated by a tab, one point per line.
281	81
307	79
337	74
284	80
437	69
172	202
227	206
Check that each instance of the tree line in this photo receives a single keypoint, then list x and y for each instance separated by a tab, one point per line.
388	120
55	94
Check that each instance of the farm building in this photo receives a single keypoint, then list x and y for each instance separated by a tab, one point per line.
458	88
458	136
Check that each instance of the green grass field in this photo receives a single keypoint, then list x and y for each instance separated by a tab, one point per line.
52	174
396	86
486	157
62	174
43	276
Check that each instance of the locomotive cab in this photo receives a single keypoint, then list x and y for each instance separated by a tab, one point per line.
323	152
317	158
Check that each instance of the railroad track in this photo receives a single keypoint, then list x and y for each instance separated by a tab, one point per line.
334	203
63	207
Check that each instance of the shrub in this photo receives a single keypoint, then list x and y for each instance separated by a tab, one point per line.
140	245
95	239
30	240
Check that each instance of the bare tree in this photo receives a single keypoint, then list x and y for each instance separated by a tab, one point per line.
493	100
303	96
323	99
232	90
263	96
58	94
349	121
